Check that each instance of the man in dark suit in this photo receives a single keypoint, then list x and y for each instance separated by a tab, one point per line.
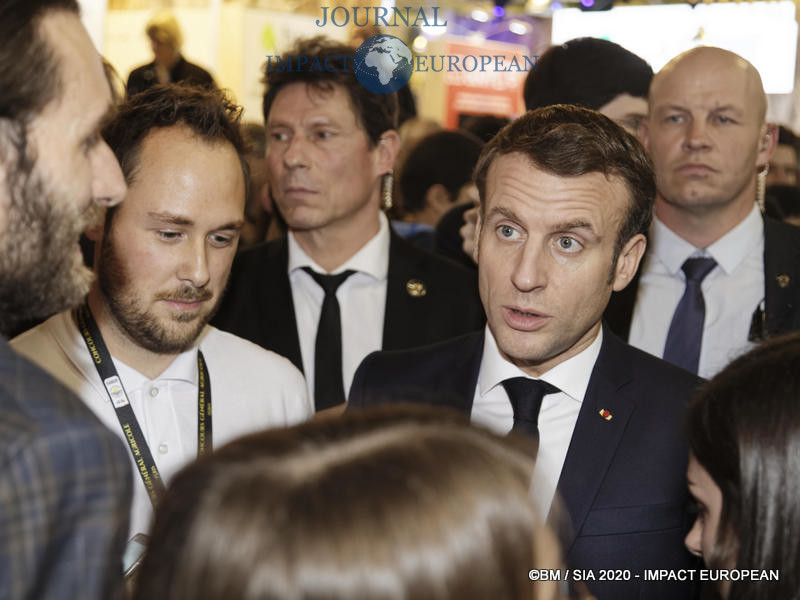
341	284
65	491
169	65
718	276
566	198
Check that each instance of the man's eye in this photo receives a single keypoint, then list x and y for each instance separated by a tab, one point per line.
568	244
724	120
169	236
278	136
507	232
674	118
221	240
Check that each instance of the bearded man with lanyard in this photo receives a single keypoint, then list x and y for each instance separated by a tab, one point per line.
139	352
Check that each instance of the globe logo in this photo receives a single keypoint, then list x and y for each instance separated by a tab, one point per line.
383	64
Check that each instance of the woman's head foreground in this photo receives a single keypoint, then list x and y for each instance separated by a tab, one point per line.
383	504
744	470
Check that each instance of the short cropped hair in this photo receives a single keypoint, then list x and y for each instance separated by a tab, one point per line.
376	113
744	430
588	72
444	157
569	141
208	113
388	503
30	72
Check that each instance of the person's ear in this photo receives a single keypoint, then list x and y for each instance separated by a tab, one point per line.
386	151
628	262
437	199
766	144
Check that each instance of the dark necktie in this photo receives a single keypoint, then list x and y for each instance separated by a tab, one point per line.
526	400
685	335
328	385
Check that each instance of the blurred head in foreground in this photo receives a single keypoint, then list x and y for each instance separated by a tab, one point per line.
393	503
744	470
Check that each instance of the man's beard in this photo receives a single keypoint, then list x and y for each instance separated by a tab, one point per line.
144	327
40	271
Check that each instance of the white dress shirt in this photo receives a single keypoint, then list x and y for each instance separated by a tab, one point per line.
362	303
251	389
732	291
557	417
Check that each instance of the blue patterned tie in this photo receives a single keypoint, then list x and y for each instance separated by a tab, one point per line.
526	399
685	336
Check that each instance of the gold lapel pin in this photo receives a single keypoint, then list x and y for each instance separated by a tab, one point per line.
783	280
416	288
605	414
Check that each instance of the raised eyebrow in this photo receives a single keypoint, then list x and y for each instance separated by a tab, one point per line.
503	212
573	225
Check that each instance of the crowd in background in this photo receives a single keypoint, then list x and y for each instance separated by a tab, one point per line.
348	353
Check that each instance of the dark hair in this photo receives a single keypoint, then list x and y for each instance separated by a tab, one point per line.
787	137
30	76
207	112
444	157
744	430
376	113
588	72
483	126
569	141
390	503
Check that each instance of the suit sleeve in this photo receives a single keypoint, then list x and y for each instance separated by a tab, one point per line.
64	509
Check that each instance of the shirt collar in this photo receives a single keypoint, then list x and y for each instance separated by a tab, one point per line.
372	258
729	251
571	376
183	368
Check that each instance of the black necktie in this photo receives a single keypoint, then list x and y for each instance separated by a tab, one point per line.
685	335
526	400
328	385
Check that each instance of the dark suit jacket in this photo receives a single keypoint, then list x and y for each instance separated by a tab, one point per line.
64	493
781	285
623	480
145	77
258	303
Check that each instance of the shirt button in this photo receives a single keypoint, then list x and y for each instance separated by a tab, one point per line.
154	391
163	448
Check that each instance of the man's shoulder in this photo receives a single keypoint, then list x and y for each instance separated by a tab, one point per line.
781	236
34	403
430	358
439	268
443	373
239	355
645	369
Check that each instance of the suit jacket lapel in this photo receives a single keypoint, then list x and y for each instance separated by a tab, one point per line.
402	310
595	439
781	280
281	323
458	382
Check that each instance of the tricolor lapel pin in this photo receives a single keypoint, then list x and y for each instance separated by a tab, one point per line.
605	414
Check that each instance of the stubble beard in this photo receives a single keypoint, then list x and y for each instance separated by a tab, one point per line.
41	274
142	326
